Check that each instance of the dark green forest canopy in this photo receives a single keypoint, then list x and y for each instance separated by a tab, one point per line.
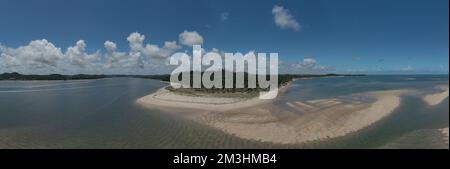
282	78
17	76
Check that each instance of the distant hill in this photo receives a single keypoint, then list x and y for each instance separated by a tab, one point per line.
18	76
282	80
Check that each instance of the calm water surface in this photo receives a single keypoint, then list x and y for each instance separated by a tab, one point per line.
103	114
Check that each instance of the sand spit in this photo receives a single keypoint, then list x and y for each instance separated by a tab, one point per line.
435	99
263	120
445	134
420	139
324	119
165	98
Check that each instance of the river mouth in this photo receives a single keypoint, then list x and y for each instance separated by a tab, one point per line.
103	114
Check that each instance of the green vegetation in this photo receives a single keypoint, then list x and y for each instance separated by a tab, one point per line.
17	76
283	79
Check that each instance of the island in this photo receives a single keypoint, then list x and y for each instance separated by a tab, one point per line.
239	112
18	76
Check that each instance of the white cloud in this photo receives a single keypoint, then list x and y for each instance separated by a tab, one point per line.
38	54
307	65
190	38
110	46
136	41
284	19
407	69
42	57
172	45
153	51
224	16
140	55
308	62
120	60
77	55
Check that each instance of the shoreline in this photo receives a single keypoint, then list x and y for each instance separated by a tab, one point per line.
437	98
328	118
164	98
445	135
263	120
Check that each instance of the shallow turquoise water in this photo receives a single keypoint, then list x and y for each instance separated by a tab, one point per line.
103	114
413	115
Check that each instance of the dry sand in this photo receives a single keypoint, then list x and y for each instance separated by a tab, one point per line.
165	98
445	134
436	98
262	120
308	122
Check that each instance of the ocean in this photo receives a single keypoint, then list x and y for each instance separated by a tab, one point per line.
103	114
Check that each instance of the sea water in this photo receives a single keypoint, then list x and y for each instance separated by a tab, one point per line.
103	114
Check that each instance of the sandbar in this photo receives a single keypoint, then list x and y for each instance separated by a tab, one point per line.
269	121
436	98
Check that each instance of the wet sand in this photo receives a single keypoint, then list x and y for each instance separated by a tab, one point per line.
420	139
445	134
313	121
436	98
262	120
166	98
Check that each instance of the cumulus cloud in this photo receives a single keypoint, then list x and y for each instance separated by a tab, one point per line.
224	16
407	69
136	42
110	46
167	50
117	59
140	54
77	55
307	63
171	45
43	57
190	38
284	19
306	66
120	60
38	54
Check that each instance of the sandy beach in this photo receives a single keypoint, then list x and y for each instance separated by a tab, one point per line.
164	98
263	120
445	134
309	121
436	98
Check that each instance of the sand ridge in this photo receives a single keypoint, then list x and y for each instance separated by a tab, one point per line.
166	98
325	119
436	98
445	134
263	120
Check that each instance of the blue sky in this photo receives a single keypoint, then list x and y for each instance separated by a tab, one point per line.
362	36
